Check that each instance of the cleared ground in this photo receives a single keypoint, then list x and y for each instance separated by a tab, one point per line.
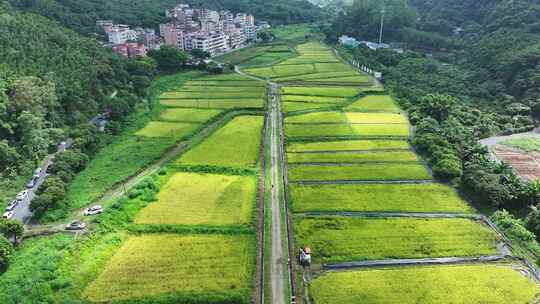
234	145
345	239
181	266
360	172
376	198
460	284
202	199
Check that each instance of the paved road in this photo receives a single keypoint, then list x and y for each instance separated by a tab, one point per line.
491	141
22	211
277	271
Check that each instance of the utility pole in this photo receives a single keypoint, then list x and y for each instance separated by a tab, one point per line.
382	24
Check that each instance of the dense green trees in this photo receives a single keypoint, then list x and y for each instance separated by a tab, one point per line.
6	251
81	15
168	58
362	19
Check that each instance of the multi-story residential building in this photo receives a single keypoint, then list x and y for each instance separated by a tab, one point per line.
130	49
213	43
206	29
240	18
121	33
172	35
250	20
236	38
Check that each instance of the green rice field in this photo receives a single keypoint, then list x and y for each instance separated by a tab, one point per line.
288	107
375	118
214	103
346	157
347	130
525	144
374	103
347	145
361	172
343	239
179	266
177	130
188	115
234	145
342	92
454	284
202	199
429	197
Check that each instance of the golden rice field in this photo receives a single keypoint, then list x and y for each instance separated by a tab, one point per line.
149	266
202	199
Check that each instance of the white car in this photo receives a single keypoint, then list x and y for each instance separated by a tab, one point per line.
8	215
32	182
12	205
37	172
22	195
75	225
93	210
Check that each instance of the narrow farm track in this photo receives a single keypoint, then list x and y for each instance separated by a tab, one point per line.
277	271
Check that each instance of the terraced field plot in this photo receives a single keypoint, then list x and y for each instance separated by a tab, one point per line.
347	145
358	172
288	107
234	145
202	199
254	56
341	92
312	99
346	130
352	157
374	103
189	115
226	91
178	266
316	64
457	284
176	130
342	239
214	103
376	198
348	117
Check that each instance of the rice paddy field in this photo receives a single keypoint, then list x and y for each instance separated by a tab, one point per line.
359	172
226	91
352	157
374	103
177	267
202	199
236	144
343	239
256	56
454	284
317	130
430	197
314	64
348	145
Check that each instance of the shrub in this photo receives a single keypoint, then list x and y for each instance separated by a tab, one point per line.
447	168
6	251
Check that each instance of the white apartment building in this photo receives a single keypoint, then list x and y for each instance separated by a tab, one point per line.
120	34
250	31
213	43
236	38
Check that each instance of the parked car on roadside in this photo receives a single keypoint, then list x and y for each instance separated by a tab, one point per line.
93	210
75	225
8	215
37	172
22	195
12	205
32	182
49	169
